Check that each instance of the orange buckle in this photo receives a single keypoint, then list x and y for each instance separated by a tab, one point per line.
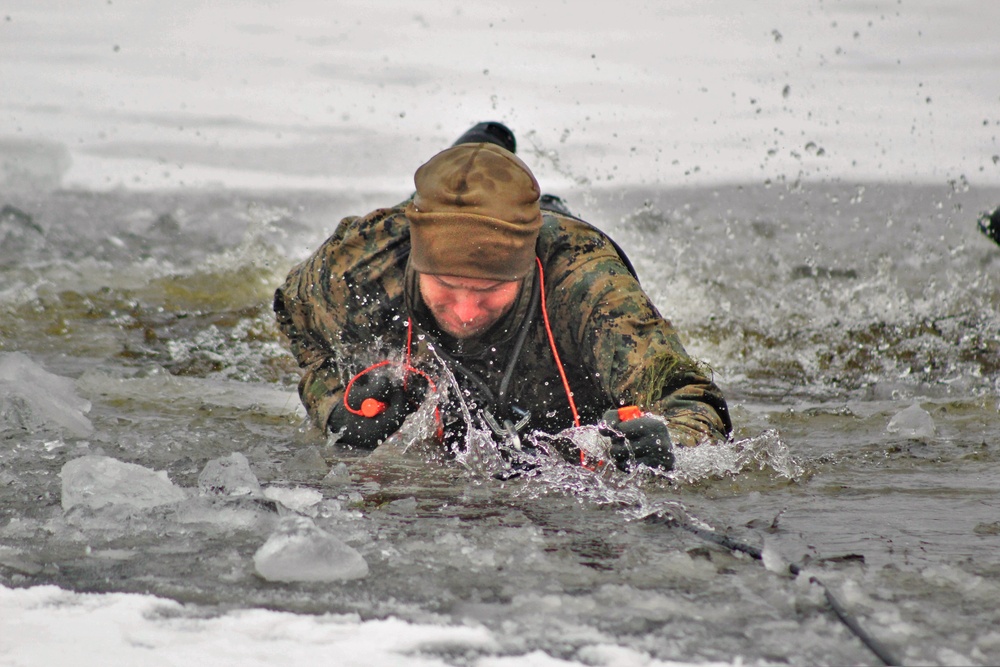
372	407
628	412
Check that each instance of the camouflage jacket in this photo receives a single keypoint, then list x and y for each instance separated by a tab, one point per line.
349	305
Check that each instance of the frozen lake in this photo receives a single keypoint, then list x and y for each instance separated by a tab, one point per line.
798	186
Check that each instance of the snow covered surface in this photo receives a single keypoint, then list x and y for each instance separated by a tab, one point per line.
45	625
49	626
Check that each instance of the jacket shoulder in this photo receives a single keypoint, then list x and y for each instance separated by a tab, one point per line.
356	275
381	234
566	243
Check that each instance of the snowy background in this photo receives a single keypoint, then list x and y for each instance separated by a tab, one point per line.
355	94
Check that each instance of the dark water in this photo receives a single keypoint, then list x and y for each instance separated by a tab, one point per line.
855	329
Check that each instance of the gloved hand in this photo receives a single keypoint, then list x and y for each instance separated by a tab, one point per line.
381	395
638	440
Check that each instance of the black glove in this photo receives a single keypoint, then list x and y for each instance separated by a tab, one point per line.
369	432
638	440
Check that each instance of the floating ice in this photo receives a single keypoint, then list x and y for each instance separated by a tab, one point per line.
31	398
298	500
20	236
339	475
772	559
300	551
403	505
306	459
259	397
913	422
97	481
219	516
229	476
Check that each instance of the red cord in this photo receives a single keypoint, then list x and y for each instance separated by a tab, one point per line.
555	354
371	410
372	407
552	344
406	367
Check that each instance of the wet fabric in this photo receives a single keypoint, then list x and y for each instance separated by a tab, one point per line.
475	214
347	306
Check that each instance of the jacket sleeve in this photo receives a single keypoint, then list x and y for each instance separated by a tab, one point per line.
303	312
344	304
630	351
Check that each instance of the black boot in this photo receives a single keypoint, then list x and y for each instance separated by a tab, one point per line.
554	204
489	132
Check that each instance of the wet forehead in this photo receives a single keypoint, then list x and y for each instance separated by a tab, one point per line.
471	284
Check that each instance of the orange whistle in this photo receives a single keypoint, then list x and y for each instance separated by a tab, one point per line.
629	412
372	407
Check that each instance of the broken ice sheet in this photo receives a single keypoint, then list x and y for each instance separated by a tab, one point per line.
229	476
913	422
301	551
33	399
97	481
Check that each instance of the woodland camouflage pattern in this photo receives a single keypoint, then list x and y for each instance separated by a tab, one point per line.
347	307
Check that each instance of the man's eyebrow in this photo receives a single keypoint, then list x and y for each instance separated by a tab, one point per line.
485	288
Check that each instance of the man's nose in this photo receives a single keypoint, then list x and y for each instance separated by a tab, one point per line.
467	308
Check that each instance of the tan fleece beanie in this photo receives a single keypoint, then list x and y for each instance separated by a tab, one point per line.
475	214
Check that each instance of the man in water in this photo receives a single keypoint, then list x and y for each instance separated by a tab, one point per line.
511	312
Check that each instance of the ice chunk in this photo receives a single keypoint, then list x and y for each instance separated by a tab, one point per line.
229	476
339	475
308	460
20	236
403	506
97	481
31	398
298	500
913	422
772	560
300	551
181	391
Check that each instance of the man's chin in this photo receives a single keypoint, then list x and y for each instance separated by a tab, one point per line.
463	332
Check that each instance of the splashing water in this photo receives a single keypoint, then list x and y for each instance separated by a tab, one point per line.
169	341
543	470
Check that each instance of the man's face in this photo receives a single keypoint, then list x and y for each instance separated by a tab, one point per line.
466	307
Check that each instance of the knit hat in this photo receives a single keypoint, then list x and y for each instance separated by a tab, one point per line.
475	214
